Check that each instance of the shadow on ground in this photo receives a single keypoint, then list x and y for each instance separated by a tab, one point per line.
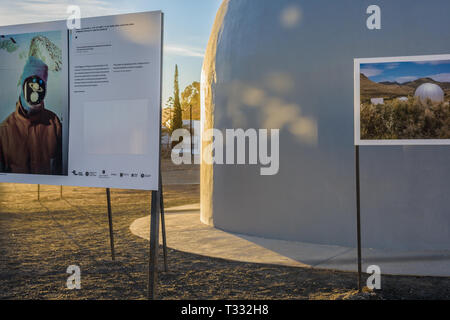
40	239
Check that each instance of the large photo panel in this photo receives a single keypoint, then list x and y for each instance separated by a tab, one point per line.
82	107
402	100
33	103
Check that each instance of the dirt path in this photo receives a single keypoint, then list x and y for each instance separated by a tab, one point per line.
39	240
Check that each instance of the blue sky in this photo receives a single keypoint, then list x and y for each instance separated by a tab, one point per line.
187	26
402	72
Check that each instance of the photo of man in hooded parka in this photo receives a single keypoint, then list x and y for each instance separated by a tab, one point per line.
31	136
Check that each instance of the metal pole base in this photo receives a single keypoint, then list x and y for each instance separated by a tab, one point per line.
154	245
111	231
358	218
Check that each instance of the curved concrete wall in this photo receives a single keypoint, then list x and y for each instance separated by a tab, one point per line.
289	65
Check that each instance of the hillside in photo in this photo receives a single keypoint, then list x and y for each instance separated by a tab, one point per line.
391	90
397	113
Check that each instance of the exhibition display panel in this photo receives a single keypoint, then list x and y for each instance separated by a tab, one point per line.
82	107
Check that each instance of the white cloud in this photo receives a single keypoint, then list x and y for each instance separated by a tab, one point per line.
371	72
391	66
434	63
441	77
184	51
28	11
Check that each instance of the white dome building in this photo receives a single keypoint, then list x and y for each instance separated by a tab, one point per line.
430	91
289	65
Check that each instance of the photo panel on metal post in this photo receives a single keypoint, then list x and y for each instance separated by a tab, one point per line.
402	100
82	107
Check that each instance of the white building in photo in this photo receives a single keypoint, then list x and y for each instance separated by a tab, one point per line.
430	91
377	101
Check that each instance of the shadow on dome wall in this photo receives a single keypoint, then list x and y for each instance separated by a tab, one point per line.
266	103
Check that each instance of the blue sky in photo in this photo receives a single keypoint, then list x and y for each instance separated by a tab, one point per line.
402	72
187	26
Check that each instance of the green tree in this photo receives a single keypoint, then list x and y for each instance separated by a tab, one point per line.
167	114
190	101
177	115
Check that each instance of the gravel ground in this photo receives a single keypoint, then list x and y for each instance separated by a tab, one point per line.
40	239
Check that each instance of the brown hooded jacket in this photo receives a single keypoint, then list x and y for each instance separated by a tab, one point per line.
31	144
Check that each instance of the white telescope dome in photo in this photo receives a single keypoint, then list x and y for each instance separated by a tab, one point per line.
430	91
289	65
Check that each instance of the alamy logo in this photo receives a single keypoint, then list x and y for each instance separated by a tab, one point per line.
74	280
73	21
374	20
374	281
231	148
